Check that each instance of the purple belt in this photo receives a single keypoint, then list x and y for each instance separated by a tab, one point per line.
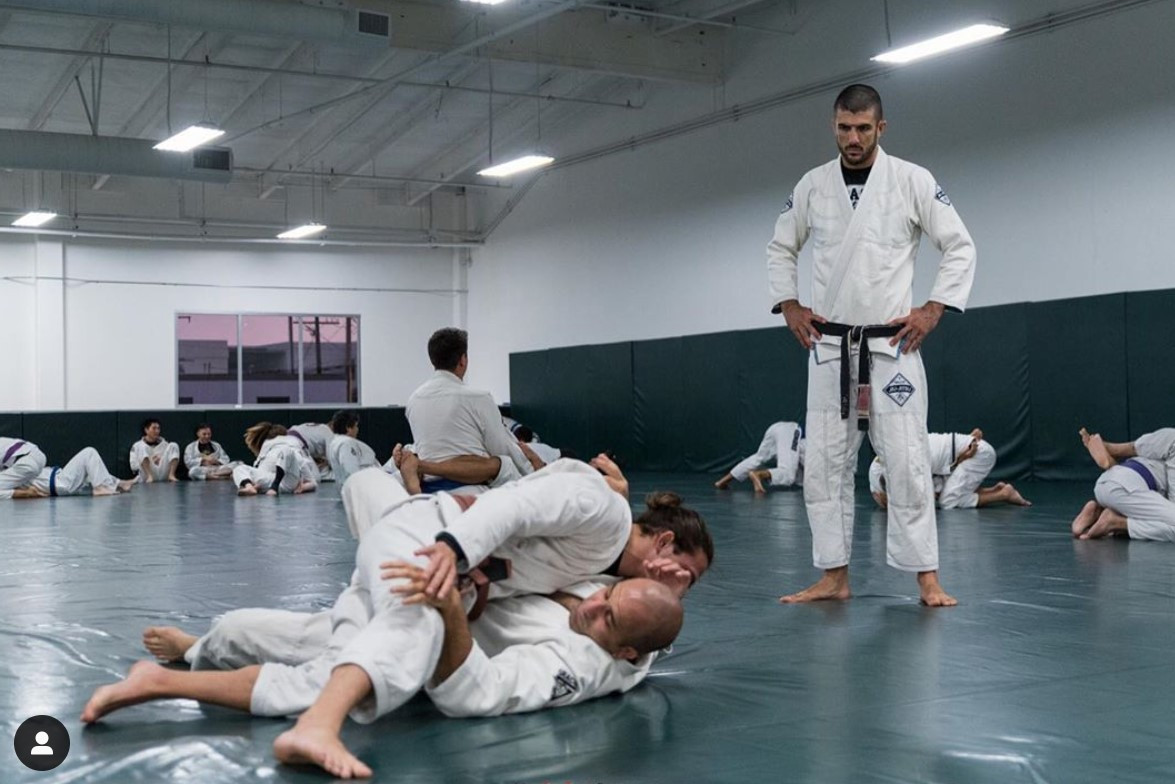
12	450
298	436
1142	471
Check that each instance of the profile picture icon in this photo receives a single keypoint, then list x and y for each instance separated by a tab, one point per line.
41	743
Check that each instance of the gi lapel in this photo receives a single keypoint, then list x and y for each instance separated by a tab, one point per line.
847	253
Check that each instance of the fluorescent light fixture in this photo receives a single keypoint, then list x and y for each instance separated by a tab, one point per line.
517	165
189	138
486	2
34	218
937	45
301	232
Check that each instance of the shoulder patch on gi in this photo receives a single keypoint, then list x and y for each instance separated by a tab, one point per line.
941	195
787	205
899	389
566	684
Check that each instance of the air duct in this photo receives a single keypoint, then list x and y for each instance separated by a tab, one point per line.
70	152
271	18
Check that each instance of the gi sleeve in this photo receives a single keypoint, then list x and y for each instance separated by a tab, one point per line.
519	679
552	504
497	439
191	456
791	232
221	455
941	223
1159	445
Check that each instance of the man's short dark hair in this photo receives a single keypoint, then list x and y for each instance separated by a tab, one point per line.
523	434
446	347
859	98
344	420
146	423
200	427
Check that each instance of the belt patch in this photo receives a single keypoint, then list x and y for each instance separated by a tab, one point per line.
899	389
787	205
941	195
565	684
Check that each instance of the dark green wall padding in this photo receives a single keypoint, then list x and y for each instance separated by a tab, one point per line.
61	434
1029	374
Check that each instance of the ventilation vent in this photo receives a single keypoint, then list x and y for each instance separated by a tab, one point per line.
375	24
213	158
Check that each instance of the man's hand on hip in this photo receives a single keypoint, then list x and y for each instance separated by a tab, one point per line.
916	326
802	322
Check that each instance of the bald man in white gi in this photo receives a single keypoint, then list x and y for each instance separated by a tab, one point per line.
20	463
784	443
84	474
450	419
1135	496
206	459
865	213
959	462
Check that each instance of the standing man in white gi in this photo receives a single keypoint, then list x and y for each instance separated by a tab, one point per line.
865	213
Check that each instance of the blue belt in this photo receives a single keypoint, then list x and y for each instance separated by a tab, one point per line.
1142	471
53	482
437	485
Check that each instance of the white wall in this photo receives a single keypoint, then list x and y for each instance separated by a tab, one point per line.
117	320
1055	148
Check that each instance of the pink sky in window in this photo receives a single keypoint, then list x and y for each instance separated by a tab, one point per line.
261	330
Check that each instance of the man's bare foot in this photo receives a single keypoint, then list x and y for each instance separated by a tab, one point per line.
1086	518
271	491
148	479
834	585
398	454
932	593
139	686
1108	523
100	490
172	478
321	747
167	643
1097	449
247	489
724	482
1009	494
126	485
305	486
756	478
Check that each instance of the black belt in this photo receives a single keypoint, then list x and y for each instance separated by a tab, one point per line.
53	482
850	334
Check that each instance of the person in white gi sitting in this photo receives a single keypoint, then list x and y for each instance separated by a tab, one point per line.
154	458
958	465
346	454
784	443
20	462
282	463
205	458
84	473
1134	495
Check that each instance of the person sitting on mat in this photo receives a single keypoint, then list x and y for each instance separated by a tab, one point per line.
1132	497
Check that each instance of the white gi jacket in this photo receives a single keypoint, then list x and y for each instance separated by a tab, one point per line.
1160	446
526	657
313	437
348	455
20	463
863	259
193	457
557	526
449	419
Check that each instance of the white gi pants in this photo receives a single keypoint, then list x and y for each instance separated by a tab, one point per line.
396	645
1149	514
23	471
780	443
959	490
84	470
897	428
201	473
158	470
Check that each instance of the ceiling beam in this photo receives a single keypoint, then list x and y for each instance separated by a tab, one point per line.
97	34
